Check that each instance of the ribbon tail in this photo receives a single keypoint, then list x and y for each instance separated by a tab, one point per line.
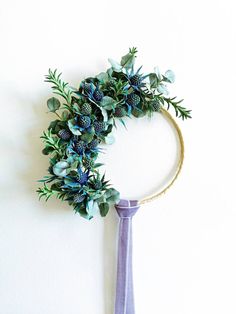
124	286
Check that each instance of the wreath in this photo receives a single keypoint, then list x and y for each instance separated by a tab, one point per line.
85	119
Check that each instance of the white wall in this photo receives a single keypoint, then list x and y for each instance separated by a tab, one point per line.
54	262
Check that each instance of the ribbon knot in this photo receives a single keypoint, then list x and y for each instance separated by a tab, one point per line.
126	208
124	285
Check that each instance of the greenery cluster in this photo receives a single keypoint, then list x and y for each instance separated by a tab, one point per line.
85	119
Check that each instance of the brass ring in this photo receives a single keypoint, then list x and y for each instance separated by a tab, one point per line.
179	165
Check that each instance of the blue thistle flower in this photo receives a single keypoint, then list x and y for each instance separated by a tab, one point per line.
136	79
92	92
93	144
99	126
79	198
82	177
98	94
79	147
84	122
133	100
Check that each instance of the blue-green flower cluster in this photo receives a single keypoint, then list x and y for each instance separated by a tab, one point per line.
86	118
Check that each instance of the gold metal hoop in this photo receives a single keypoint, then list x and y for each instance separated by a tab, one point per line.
155	195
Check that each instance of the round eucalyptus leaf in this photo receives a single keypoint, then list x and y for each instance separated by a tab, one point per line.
53	104
169	76
60	168
115	65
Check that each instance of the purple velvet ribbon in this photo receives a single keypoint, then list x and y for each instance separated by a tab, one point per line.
124	285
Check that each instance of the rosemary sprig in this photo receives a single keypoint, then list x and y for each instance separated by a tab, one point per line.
180	111
59	87
46	192
53	142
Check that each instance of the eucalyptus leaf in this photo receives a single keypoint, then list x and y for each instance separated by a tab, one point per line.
112	195
47	150
82	211
87	137
158	73
104	208
162	89
71	183
115	65
103	77
109	72
53	104
109	139
53	125
76	108
73	127
104	114
60	168
65	115
127	61
153	79
169	76
108	103
92	208
71	159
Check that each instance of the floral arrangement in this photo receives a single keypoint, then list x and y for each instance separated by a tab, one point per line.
85	118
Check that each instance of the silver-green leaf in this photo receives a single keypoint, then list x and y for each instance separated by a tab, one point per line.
169	76
115	65
108	103
73	127
60	168
53	104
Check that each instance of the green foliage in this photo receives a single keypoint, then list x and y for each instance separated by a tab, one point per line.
154	81
59	87
108	103
86	118
52	143
115	65
180	111
46	192
60	169
72	124
127	61
53	104
104	208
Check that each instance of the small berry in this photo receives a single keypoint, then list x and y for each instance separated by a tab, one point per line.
120	112
133	99
86	109
99	126
79	147
98	95
84	122
135	80
78	198
64	134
